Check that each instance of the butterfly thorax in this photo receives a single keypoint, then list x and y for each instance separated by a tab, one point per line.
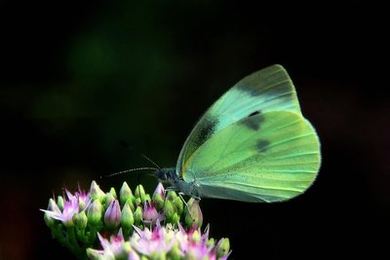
168	175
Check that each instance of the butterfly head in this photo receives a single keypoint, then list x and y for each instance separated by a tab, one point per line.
166	174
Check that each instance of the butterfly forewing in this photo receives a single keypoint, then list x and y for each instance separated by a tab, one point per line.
269	89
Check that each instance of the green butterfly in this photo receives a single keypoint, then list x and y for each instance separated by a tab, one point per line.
253	144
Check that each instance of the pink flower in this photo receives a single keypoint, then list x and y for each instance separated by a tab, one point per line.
71	207
149	242
115	248
150	214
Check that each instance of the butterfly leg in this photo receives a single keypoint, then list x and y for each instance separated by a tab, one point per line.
181	197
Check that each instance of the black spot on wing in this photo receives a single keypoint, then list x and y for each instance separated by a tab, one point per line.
202	131
205	129
262	145
254	120
254	113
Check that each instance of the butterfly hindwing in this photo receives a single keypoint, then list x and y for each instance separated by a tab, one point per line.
270	156
269	89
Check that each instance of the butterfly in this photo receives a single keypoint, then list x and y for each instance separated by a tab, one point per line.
253	144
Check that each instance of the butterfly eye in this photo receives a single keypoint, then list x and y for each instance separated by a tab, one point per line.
161	175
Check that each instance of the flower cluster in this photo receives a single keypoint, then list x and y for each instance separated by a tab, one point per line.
162	243
139	225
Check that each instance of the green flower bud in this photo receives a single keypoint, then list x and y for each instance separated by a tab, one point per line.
138	201
223	247
95	212
175	218
171	195
158	201
93	254
193	214
138	216
127	218
82	204
178	204
147	198
50	222
140	193
131	204
210	242
125	193
60	202
169	210
80	220
113	192
95	192
108	199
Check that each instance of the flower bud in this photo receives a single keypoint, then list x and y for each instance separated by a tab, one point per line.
95	192
50	222
158	201
94	254
108	199
193	214
138	216
60	202
150	214
159	190
175	218
169	210
125	193
223	247
210	242
140	192
127	218
53	206
171	195
147	198
137	201
112	216
80	220
178	204
94	212
113	192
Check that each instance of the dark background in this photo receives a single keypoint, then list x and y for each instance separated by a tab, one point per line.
82	81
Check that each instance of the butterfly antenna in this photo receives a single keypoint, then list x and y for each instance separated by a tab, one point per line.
132	170
151	161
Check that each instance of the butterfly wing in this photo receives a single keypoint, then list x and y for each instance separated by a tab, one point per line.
269	89
264	157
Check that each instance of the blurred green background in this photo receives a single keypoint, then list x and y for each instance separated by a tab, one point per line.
88	86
